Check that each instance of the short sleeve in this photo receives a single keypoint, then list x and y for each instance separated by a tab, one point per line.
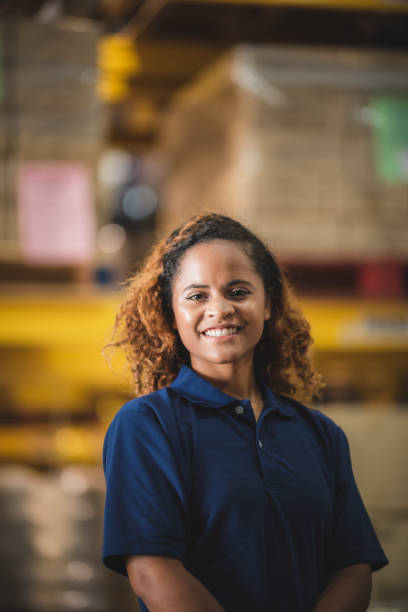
145	505
354	538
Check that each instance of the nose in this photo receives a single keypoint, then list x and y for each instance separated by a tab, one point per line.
219	306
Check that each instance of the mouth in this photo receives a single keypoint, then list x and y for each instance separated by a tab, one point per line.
219	332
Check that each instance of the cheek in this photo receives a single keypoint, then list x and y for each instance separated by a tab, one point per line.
183	320
256	313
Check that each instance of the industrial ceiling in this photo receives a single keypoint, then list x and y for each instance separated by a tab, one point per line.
171	41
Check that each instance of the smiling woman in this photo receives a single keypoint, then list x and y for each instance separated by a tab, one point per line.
224	492
146	325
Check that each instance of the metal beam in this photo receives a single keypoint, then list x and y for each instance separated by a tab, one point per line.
388	6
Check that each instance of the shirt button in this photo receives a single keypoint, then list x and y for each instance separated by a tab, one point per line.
239	409
260	444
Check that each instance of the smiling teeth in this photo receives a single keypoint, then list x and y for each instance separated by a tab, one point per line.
221	332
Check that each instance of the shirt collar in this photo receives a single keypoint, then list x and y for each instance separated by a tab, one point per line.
197	390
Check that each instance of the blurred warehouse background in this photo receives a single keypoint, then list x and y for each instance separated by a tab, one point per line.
118	120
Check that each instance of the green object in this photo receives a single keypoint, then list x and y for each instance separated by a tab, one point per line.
390	121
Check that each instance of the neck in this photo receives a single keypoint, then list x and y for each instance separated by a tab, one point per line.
235	379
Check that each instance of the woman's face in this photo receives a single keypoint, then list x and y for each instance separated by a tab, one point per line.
219	304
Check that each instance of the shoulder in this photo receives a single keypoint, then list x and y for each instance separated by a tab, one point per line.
143	405
322	433
150	423
152	404
316	422
161	405
160	413
313	415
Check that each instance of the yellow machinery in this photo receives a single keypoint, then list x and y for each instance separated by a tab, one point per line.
59	392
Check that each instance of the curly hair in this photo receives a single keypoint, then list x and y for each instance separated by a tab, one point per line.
155	353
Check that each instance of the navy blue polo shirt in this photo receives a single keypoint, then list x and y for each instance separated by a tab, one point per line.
260	512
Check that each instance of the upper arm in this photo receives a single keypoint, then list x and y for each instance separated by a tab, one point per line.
146	508
148	563
145	570
348	589
356	579
359	572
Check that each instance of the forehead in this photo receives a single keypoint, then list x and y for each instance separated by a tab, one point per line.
216	258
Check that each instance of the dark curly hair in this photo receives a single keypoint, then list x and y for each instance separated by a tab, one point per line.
143	326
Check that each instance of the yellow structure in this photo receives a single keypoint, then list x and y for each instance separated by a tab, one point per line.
51	364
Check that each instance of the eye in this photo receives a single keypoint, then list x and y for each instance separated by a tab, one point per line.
239	293
196	296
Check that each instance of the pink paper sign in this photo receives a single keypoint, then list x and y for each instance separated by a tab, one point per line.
56	216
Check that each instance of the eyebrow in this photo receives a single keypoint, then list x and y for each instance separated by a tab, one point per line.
237	281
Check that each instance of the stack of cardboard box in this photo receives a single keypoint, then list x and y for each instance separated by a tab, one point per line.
288	140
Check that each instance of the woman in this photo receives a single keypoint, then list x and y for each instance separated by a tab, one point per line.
224	492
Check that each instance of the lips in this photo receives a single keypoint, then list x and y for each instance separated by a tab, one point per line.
217	332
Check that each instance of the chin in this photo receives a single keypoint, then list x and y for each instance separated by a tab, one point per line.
221	361
224	358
